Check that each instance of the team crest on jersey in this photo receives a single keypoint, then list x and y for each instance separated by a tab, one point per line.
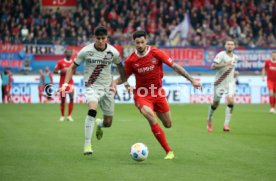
109	55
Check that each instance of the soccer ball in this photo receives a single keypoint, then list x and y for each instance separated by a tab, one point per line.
139	152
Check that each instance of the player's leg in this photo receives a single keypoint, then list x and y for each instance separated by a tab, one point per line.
39	94
218	92
145	106
3	93
89	126
228	112
166	118
107	106
270	86
62	106
157	130
70	106
8	89
92	99
230	105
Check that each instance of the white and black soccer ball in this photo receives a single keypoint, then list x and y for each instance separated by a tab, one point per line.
139	152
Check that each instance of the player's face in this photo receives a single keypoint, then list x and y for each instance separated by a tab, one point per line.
140	44
229	46
101	41
68	54
274	56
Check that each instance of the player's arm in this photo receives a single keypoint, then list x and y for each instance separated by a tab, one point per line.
69	73
122	73
51	78
57	68
181	71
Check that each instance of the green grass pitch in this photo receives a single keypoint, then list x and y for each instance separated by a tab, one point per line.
35	146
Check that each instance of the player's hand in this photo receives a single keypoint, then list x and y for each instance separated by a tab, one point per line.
62	89
196	84
113	87
128	87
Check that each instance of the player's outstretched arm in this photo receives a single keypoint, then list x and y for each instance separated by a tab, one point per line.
180	70
69	73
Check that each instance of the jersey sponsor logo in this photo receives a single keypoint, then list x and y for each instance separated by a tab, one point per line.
146	69
99	61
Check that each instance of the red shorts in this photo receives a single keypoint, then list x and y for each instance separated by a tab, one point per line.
271	85
40	88
7	89
157	104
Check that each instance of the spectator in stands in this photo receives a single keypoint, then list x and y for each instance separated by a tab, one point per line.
251	22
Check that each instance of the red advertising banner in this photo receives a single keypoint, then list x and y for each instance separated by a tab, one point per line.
9	48
186	56
59	2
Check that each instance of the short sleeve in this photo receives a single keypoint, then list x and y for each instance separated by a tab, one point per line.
162	56
218	58
80	57
117	57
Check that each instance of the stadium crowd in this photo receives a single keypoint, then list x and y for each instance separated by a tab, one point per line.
250	22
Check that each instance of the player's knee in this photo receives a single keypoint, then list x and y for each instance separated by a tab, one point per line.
168	124
92	113
107	122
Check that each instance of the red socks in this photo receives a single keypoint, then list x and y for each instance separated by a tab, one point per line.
62	108
160	136
70	108
272	101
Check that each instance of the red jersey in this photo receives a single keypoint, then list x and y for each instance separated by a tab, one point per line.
270	68
63	65
148	69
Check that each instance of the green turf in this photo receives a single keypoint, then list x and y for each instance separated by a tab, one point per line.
35	146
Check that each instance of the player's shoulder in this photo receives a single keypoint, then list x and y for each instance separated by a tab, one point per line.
221	53
131	57
87	48
112	48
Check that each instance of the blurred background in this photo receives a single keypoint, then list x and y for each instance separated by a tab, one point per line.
35	33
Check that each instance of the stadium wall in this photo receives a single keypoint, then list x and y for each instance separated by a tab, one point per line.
250	90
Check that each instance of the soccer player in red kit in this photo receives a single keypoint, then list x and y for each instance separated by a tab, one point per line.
270	70
62	67
149	96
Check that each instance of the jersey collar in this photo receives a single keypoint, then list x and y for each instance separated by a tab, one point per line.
99	49
148	50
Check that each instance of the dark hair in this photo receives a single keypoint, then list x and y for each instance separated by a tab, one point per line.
100	31
232	40
138	34
273	51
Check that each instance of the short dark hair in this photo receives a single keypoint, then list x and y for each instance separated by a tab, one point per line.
100	31
138	34
232	40
273	51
